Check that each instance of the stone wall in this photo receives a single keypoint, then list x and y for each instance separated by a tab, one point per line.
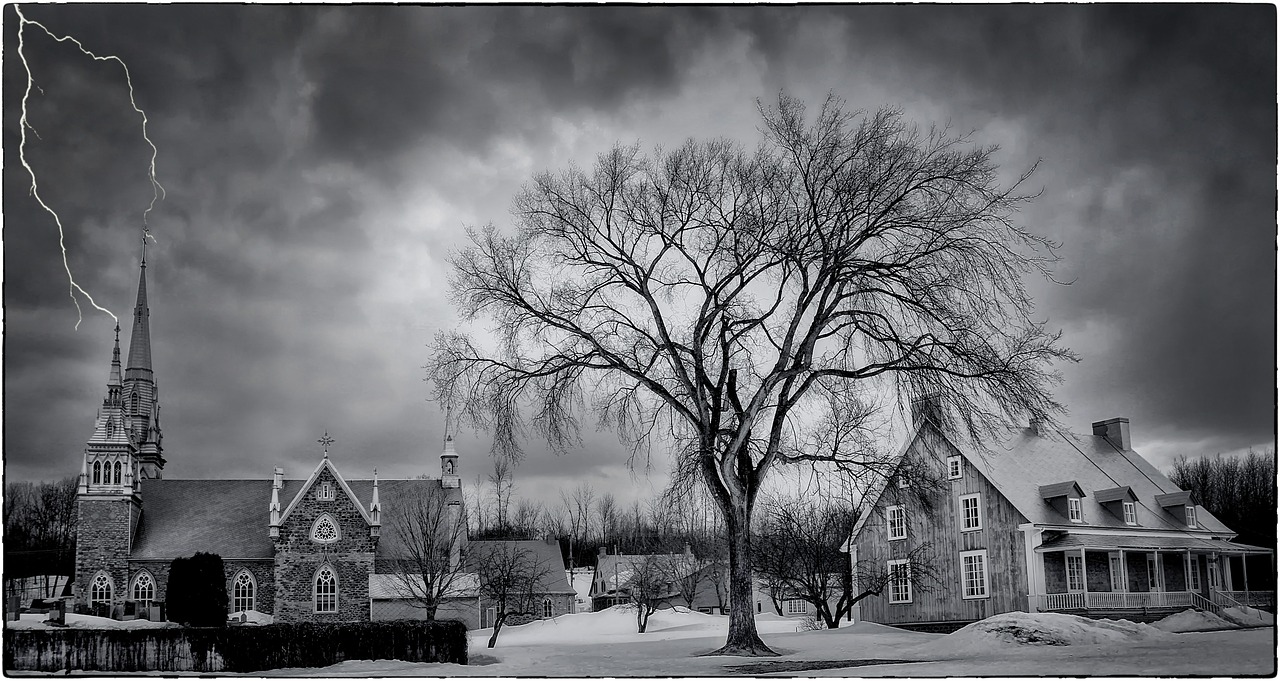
1097	570
298	558
264	577
1055	573
103	529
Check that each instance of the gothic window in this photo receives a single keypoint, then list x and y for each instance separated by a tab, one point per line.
144	589
100	589
326	589
325	491
135	404
546	607
117	476
97	472
325	530
111	427
242	592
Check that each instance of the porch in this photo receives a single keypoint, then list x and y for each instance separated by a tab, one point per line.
1120	575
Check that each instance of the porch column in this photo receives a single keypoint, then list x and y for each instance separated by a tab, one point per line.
1031	538
855	610
1124	578
1084	577
1244	571
1226	577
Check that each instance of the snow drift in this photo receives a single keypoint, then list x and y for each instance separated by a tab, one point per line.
1042	629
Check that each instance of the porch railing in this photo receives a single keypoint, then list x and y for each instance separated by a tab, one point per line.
1104	600
1254	599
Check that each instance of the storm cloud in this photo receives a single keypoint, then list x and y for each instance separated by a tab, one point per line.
321	163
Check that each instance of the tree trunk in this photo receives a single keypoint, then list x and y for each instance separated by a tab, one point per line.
497	626
642	619
742	639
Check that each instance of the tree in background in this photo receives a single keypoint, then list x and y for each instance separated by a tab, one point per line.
648	585
40	528
428	546
799	554
196	594
1238	490
511	579
744	304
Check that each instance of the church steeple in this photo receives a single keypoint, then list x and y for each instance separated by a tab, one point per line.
140	395
114	384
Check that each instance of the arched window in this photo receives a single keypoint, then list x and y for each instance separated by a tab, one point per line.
325	530
242	592
97	472
111	427
546	607
326	588
144	589
100	589
117	481
135	404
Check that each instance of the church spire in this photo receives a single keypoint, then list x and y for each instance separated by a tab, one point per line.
141	397
139	366
114	384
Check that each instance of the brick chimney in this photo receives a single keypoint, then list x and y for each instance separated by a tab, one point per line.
1116	431
602	552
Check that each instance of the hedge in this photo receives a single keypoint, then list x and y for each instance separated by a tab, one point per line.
234	649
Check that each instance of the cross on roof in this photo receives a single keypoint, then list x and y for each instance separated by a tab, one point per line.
325	442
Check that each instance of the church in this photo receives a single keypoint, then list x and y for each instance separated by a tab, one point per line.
298	549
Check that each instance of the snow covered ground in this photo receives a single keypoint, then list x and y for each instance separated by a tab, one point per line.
677	643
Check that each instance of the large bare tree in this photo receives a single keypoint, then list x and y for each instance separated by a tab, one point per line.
429	534
742	305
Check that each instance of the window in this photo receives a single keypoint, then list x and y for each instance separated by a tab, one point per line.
954	470
325	530
111	427
1073	510
117	476
796	606
1193	573
1191	516
1130	513
1155	576
902	481
242	592
1214	578
897	522
97	472
135	404
546	607
970	512
973	572
899	581
100	589
325	491
1075	572
144	589
1117	573
326	588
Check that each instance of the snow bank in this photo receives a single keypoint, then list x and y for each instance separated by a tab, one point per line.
1192	620
1044	628
618	624
74	621
1248	617
251	617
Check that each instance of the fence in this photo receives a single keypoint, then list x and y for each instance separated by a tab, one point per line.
1103	600
232	649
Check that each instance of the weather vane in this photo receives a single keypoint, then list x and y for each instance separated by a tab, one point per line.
325	442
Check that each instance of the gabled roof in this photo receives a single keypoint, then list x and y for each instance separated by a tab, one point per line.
1110	496
1179	498
554	580
1061	489
616	569
394	495
342	483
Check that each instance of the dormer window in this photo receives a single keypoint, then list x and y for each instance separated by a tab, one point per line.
954	470
1130	513
1191	516
1073	510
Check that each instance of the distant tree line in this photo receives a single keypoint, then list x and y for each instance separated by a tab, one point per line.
40	528
1238	490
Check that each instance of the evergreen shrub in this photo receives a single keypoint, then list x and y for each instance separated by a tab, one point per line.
196	594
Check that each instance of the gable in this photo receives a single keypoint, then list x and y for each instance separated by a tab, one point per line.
326	474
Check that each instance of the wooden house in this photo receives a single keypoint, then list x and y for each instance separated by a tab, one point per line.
1046	521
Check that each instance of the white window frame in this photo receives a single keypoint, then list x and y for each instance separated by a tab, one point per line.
101	582
1215	575
902	517
902	481
143	580
955	469
964	517
546	607
1191	516
1193	573
315	527
1117	572
315	590
236	598
1155	572
1075	510
899	575
324	491
1130	513
980	557
796	606
1076	585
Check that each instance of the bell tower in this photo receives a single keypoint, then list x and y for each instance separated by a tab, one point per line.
449	476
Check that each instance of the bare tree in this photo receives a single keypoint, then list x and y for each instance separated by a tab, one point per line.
526	519
511	578
743	304
503	481
1238	490
430	534
648	586
577	506
607	509
799	554
872	576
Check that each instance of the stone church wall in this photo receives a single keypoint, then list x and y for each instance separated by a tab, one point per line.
103	528
298	557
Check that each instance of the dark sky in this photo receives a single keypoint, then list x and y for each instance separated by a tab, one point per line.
322	162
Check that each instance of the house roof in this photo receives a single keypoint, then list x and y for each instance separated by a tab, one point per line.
1144	542
1061	489
1110	496
1024	460
616	569
554	580
393	586
231	517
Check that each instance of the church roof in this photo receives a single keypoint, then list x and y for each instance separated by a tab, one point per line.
231	517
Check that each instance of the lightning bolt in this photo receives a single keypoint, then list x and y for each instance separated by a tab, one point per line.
157	190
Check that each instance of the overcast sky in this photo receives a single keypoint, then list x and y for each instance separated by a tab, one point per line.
322	163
